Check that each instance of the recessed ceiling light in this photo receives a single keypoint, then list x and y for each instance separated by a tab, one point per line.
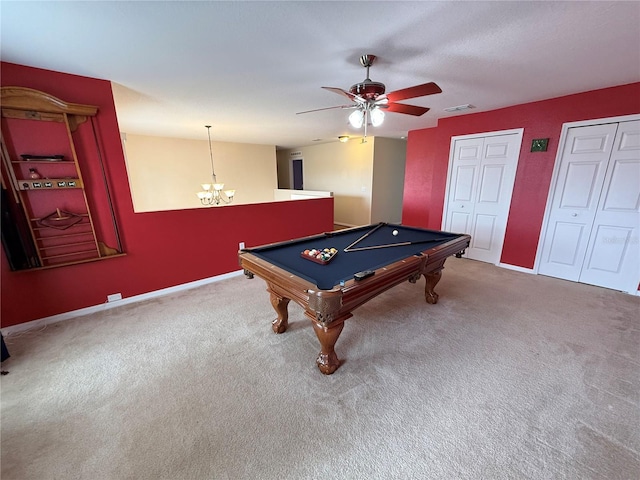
459	108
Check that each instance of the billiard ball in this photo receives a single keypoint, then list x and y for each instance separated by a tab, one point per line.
395	232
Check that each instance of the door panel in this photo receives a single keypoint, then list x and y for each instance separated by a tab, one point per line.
565	242
460	222
493	197
470	150
574	204
579	185
483	232
623	190
491	184
464	181
611	247
587	143
613	259
497	149
462	184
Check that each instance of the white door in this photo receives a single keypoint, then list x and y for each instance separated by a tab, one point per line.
481	175
583	166
612	259
593	220
463	181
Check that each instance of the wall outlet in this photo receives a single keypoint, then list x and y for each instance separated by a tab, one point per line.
241	245
114	297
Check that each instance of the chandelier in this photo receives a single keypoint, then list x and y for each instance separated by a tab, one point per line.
212	193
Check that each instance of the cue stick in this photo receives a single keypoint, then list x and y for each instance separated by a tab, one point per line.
10	171
395	244
106	187
364	236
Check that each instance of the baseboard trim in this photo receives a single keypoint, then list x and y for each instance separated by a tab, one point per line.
517	269
342	224
42	322
534	272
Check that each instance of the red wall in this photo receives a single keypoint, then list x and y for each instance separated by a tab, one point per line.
163	249
428	160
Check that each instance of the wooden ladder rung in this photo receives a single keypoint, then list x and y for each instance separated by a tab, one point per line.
64	245
81	252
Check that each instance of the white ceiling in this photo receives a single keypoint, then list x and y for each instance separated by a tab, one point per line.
247	67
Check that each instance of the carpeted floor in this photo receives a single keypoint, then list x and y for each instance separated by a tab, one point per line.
509	376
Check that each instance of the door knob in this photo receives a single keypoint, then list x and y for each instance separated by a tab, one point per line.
574	214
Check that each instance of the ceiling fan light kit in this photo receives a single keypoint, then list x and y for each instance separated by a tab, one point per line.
369	99
377	117
356	118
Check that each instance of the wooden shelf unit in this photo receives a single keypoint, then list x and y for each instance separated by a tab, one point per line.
51	192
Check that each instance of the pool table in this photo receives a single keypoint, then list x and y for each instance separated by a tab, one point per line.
367	261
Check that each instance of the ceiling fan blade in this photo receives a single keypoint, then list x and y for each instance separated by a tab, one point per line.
408	109
413	92
327	108
340	91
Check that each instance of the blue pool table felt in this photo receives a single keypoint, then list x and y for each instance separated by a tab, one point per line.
344	265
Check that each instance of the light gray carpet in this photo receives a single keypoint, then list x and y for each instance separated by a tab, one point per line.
509	376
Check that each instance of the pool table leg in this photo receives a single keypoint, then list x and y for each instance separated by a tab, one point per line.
280	304
327	360
432	280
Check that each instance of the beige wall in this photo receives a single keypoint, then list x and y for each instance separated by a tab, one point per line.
388	180
284	175
166	173
367	186
344	169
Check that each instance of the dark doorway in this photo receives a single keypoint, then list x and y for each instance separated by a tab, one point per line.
298	184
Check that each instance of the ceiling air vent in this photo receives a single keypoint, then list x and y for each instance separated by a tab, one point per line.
459	108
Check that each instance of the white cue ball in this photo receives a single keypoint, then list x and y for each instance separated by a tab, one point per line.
395	232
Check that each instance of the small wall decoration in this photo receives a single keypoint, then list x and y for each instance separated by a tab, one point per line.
539	144
60	220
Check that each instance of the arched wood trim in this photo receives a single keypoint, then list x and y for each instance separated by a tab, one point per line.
22	98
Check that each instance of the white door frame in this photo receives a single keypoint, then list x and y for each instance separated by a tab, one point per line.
556	172
517	131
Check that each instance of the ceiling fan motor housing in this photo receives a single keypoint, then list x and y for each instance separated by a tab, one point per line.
368	89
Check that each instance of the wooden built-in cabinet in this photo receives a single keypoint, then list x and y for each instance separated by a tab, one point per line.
47	217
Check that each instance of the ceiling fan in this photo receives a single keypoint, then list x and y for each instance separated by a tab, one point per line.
369	99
